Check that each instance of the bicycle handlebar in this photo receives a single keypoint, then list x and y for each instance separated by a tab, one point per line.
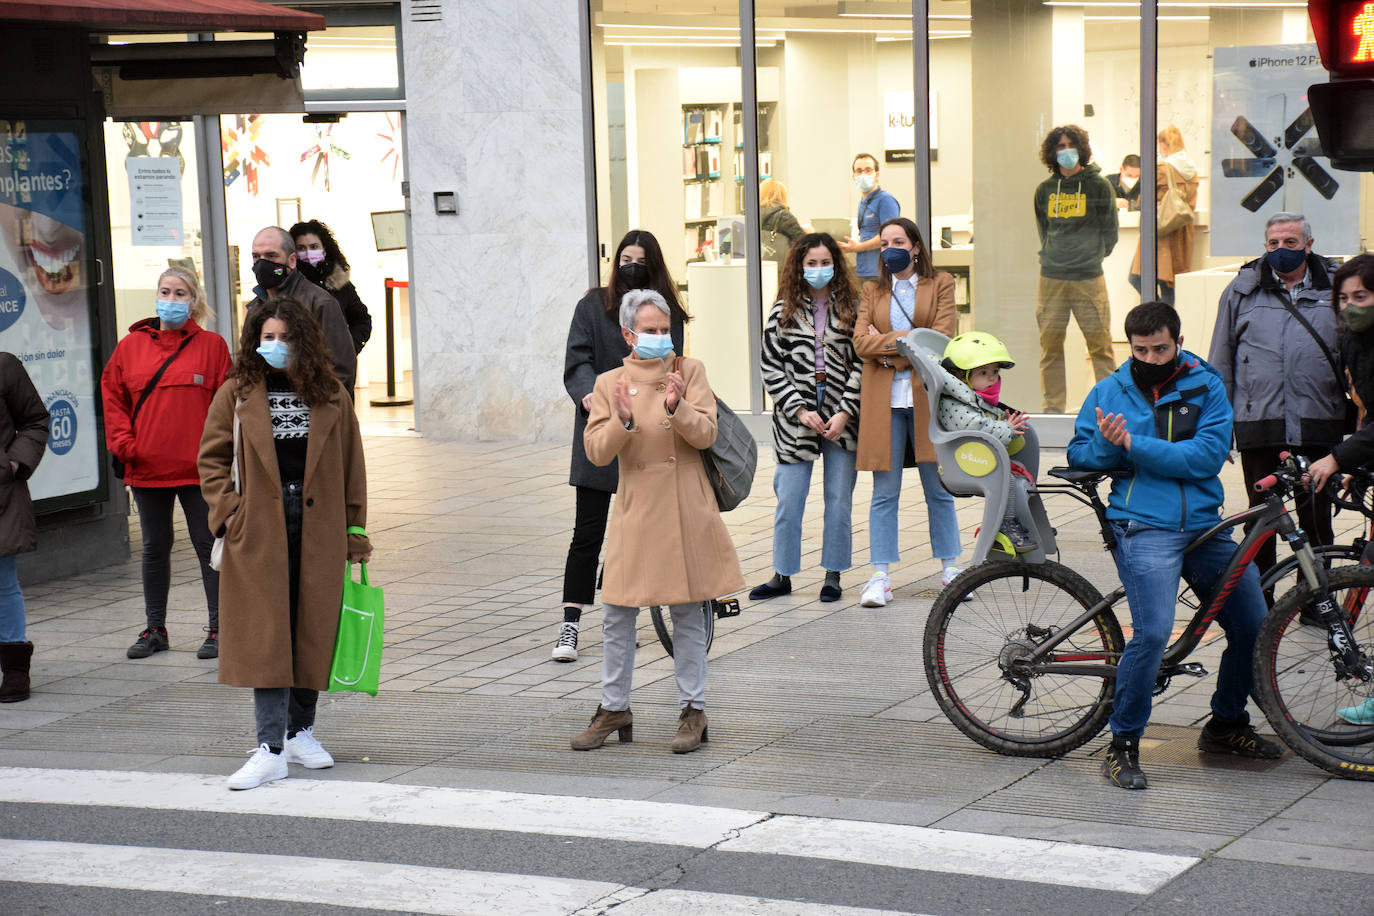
1264	484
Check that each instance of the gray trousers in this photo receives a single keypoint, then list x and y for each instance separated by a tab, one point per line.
280	710
618	654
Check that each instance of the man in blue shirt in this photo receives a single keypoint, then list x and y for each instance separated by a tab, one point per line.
876	207
1165	415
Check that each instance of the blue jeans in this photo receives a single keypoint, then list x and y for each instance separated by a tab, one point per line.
791	482
887	494
11	603
1149	562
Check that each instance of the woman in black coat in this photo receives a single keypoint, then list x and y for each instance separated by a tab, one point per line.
1352	297
23	433
595	345
320	260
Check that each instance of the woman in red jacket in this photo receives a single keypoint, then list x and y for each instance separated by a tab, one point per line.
157	389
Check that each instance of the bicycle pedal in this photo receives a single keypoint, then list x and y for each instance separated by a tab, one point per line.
725	607
1192	669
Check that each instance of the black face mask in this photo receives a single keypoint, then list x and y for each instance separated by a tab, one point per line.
634	275
270	274
1148	376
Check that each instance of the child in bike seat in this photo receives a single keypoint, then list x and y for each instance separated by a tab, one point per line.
971	385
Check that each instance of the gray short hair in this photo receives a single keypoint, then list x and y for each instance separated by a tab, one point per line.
1289	218
636	299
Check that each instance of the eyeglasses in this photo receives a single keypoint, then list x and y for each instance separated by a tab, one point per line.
865	170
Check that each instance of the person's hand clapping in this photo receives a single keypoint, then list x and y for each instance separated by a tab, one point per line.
677	387
621	399
1113	429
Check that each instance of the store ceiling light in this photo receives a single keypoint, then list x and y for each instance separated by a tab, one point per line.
1219	5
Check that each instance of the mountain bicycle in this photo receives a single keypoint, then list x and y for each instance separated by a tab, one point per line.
1022	657
1283	576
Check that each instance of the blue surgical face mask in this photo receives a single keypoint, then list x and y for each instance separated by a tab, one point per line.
171	313
819	277
1067	158
1286	260
865	183
896	259
276	353
653	346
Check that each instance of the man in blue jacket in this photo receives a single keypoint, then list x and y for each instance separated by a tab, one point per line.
1165	415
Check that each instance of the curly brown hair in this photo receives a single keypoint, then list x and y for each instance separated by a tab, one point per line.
1077	136
310	370
793	290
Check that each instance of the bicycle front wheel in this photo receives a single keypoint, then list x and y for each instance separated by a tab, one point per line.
665	636
1303	687
983	626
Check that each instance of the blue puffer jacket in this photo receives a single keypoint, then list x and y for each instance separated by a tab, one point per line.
1178	446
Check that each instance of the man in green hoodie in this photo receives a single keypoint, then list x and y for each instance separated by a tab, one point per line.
1075	211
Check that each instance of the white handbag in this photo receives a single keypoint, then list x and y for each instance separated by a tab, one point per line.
217	551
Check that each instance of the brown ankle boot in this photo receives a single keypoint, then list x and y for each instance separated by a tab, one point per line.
603	723
14	662
691	731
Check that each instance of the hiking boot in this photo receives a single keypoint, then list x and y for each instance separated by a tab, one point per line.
209	648
778	585
1122	763
1022	541
149	641
1240	739
565	650
263	766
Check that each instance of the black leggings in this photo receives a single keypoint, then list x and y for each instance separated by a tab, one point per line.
155	518
589	530
1314	511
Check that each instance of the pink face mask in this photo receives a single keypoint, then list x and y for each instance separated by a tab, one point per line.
990	393
313	256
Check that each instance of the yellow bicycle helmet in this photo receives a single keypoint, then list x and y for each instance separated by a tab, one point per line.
972	349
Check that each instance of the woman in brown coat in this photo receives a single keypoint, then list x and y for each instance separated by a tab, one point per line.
667	542
302	485
23	433
893	422
1173	252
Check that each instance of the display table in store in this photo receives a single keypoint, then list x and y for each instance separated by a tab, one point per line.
718	334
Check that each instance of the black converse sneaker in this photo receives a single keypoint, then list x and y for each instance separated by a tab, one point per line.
565	650
1122	763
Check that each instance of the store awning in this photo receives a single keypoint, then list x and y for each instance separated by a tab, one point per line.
161	15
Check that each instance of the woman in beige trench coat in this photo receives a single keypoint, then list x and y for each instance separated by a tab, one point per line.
667	542
894	417
302	484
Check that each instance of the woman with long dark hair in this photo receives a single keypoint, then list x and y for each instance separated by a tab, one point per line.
893	425
290	519
812	373
321	261
596	345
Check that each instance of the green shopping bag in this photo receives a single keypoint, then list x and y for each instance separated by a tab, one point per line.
358	647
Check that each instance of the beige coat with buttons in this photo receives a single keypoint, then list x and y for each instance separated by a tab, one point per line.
667	543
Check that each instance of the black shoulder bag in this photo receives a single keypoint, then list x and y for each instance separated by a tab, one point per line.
1352	413
152	383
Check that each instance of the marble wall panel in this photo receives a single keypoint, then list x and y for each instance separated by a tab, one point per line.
494	114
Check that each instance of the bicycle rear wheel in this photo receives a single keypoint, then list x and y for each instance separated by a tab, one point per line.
1283	577
659	614
1299	686
989	619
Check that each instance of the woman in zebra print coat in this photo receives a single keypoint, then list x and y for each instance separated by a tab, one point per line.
812	374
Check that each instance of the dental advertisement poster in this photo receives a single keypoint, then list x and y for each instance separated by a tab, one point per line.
1266	157
45	312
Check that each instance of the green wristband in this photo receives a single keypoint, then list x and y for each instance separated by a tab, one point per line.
354	529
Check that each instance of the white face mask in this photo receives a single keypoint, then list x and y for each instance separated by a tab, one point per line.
1129	183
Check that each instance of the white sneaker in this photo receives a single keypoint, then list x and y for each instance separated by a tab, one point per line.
306	750
565	650
877	593
263	766
949	575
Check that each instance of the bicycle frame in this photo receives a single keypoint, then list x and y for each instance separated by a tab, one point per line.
1271	517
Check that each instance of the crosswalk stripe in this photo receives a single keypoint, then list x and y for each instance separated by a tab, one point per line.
624	820
953	852
367	885
562	815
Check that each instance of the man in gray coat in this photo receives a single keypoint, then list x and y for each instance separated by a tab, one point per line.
274	267
1280	372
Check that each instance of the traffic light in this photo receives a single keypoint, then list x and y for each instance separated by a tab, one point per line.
1344	107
